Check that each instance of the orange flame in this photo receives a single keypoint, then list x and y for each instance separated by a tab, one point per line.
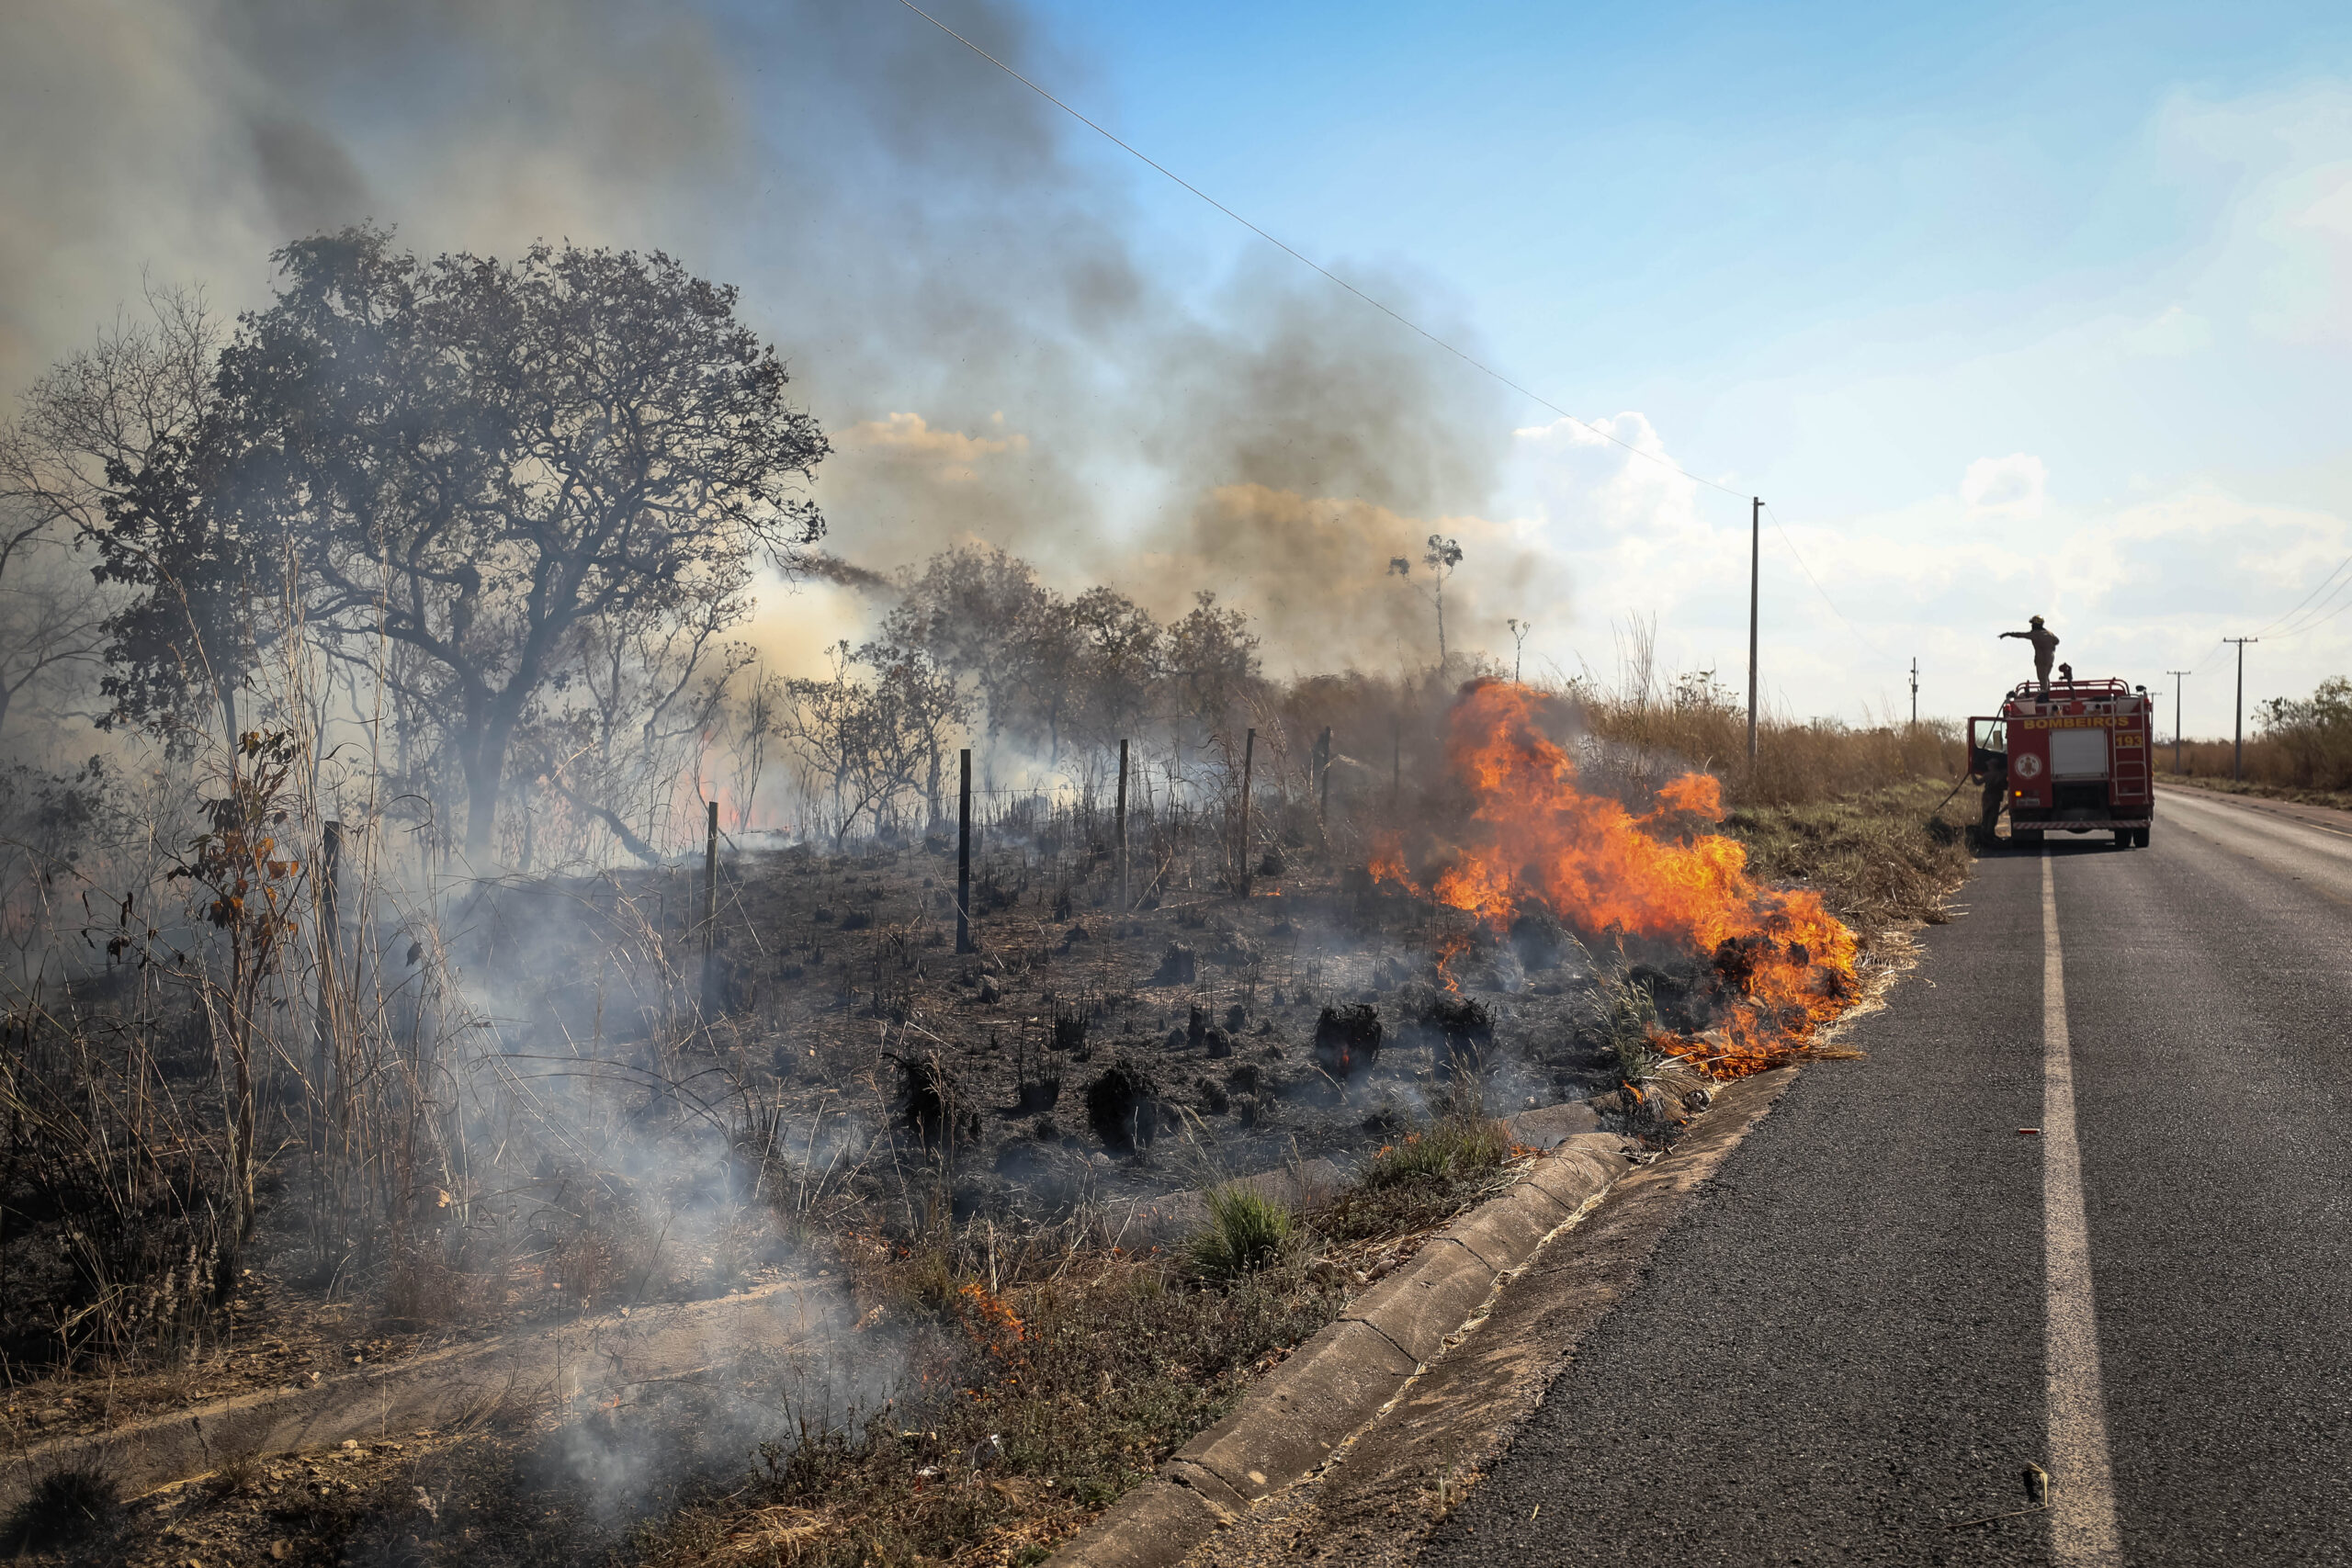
1783	965
1453	945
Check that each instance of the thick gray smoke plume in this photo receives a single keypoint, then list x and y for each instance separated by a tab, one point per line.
967	296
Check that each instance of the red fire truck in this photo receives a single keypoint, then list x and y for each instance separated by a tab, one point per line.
2073	757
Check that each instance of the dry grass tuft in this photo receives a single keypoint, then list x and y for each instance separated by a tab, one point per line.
1881	860
1246	1231
71	1506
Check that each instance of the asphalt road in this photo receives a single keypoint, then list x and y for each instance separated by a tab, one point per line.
1840	1350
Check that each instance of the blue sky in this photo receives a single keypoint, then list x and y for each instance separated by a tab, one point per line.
2004	309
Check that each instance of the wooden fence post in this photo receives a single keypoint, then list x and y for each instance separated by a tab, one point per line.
1122	826
1248	757
964	856
329	945
1323	784
713	992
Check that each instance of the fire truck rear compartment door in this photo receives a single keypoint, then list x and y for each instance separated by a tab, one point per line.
2079	753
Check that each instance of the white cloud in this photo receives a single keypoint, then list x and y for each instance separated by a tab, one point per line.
2005	487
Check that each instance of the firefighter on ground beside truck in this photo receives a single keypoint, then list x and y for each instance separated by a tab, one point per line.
2045	649
1993	763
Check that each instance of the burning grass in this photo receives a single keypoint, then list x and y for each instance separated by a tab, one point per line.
1534	838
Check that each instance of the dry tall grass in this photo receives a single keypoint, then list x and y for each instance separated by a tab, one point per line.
1796	764
2293	744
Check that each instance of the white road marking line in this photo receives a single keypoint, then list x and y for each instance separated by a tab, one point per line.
2082	1491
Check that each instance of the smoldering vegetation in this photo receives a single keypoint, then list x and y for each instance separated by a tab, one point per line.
482	1103
452	928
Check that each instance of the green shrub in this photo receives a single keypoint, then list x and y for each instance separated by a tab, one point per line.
1452	1148
1246	1231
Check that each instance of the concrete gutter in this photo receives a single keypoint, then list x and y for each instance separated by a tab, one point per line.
579	1364
1345	1376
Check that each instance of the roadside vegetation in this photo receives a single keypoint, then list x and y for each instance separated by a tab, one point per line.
2299	749
1881	858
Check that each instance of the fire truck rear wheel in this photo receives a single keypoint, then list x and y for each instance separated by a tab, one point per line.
2139	839
2027	838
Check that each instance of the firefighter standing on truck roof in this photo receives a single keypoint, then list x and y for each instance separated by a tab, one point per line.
2045	649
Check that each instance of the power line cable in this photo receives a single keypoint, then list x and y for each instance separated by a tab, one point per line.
2307	598
1400	320
1825	599
2313	622
2301	621
2319	616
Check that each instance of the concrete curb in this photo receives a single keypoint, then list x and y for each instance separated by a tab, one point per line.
577	1363
1346	1375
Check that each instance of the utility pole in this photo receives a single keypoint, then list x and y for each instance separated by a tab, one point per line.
2177	677
1122	826
1755	576
2237	742
1914	691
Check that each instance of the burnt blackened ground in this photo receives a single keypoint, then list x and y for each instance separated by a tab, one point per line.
1080	1055
1083	1054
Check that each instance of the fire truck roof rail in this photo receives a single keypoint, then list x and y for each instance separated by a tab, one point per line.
2104	686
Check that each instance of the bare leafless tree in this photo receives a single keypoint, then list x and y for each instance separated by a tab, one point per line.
751	719
88	432
52	615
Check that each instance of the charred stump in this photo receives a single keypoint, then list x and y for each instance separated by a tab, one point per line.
1347	1038
1466	1033
931	1102
1122	1107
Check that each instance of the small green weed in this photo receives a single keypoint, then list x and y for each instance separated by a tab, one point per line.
1246	1231
1452	1148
